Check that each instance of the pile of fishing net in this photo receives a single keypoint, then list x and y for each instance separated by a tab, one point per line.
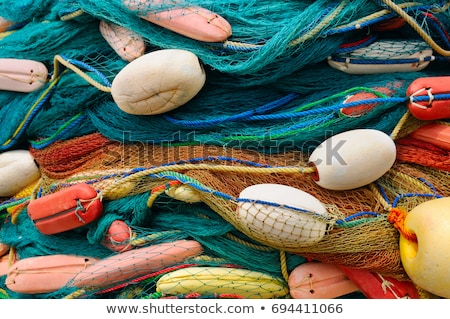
162	193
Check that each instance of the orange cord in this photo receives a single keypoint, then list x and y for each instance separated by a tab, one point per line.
397	218
16	211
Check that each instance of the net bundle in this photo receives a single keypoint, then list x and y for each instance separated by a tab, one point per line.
271	97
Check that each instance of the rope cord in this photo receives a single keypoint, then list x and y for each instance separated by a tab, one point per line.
387	62
73	65
314	31
251	115
60	132
213	168
397	218
367	21
32	112
416	27
283	263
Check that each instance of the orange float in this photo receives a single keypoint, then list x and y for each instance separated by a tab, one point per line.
4	265
3	249
70	208
134	263
316	280
376	286
118	236
193	22
44	274
434	133
432	108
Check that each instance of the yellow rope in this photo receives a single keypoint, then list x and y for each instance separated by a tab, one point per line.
375	16
209	167
417	185
5	34
400	125
31	110
416	27
59	60
379	197
152	237
72	15
246	243
283	262
76	294
320	26
11	256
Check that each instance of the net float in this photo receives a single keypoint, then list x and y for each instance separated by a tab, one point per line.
4	265
376	286
44	274
184	193
69	208
125	42
317	280
352	159
437	101
22	75
426	259
246	283
118	236
384	56
17	170
3	249
158	82
281	215
193	21
364	108
436	134
5	24
134	263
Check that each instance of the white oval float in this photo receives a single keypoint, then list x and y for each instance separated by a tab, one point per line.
184	193
353	159
278	225
17	170
158	82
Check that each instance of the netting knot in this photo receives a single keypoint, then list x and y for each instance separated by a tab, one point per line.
397	218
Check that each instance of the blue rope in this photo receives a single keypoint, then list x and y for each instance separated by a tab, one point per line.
237	117
188	181
383	193
399	197
59	136
437	26
33	113
376	61
89	68
360	214
428	184
317	111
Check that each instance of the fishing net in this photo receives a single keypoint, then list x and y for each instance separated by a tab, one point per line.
272	96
